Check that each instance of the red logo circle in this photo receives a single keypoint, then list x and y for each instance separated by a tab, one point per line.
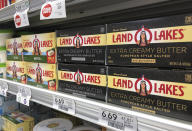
47	10
38	69
147	36
146	89
78	77
78	41
18	20
36	42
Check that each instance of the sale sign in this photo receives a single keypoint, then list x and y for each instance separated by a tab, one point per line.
17	20
47	10
21	15
53	9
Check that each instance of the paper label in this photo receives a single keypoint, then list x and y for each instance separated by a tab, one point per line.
64	104
118	120
53	9
21	15
24	95
3	88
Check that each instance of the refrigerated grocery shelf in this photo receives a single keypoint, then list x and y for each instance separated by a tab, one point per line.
89	109
91	12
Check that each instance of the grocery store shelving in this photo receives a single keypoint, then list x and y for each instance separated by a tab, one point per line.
88	109
91	12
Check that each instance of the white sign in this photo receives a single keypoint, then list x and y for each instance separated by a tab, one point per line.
21	15
3	88
64	104
22	5
118	120
24	95
53	9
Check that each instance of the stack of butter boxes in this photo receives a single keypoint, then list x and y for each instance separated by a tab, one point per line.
16	70
4	34
18	121
32	60
81	61
163	45
39	52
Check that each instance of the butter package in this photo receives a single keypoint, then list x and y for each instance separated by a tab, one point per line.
17	121
16	71
14	49
83	80
158	42
39	48
3	55
3	71
3	59
164	92
42	75
82	45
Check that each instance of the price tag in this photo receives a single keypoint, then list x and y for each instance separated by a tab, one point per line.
21	15
3	88
64	104
53	9
118	120
24	95
22	5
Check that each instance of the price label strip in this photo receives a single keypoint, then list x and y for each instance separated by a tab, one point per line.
3	88
21	15
64	104
53	9
24	95
118	120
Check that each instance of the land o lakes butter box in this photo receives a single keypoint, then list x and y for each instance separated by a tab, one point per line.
16	71
3	59
14	49
82	45
42	75
39	48
164	92
158	42
83	80
17	121
3	71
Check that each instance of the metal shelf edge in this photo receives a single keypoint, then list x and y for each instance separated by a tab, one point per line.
94	106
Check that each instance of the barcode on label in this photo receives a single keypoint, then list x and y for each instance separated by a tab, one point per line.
62	107
78	58
129	126
116	125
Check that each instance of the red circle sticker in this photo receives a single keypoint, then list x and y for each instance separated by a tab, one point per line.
18	20
47	10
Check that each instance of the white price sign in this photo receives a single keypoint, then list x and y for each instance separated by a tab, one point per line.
64	104
21	15
118	120
3	88
22	5
24	95
53	9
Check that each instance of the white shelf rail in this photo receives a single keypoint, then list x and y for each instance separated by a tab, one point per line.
88	109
